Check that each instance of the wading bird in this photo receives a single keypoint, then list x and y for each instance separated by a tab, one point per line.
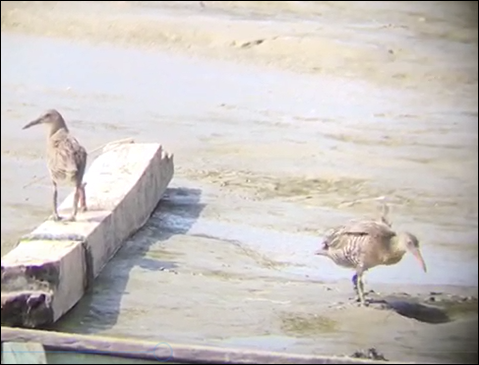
66	160
364	244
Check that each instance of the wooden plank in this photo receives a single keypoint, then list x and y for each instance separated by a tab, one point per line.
166	352
48	271
23	353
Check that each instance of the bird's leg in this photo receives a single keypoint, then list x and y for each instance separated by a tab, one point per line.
361	290
83	207
355	282
356	287
360	285
76	196
56	217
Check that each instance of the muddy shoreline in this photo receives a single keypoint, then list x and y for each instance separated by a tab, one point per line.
242	303
245	298
289	36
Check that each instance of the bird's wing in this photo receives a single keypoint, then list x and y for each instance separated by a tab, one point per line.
79	155
369	227
338	237
334	238
68	154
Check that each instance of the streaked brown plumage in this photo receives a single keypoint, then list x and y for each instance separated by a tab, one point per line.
66	160
364	244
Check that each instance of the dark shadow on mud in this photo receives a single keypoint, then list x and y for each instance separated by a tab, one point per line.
98	310
417	311
434	309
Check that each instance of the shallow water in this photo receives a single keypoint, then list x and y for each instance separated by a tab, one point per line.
272	156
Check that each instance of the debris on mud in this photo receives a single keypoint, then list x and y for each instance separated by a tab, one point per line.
371	354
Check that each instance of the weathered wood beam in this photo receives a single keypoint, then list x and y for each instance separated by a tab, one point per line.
48	271
167	352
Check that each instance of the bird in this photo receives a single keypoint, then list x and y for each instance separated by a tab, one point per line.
384	214
66	160
364	244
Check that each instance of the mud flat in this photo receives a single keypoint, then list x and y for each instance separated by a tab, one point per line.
250	299
315	38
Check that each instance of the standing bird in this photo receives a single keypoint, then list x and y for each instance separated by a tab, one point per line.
66	160
364	244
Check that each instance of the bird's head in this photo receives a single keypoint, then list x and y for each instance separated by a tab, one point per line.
323	249
51	118
410	242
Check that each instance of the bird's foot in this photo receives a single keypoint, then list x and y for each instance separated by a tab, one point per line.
55	217
361	303
365	303
71	218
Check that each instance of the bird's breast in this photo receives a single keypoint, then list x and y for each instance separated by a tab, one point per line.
392	258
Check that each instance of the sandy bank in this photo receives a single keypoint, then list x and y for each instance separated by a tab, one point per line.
416	46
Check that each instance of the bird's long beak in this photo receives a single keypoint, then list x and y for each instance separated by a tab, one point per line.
320	252
32	123
417	253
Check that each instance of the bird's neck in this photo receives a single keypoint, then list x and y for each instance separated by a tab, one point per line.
396	252
57	127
